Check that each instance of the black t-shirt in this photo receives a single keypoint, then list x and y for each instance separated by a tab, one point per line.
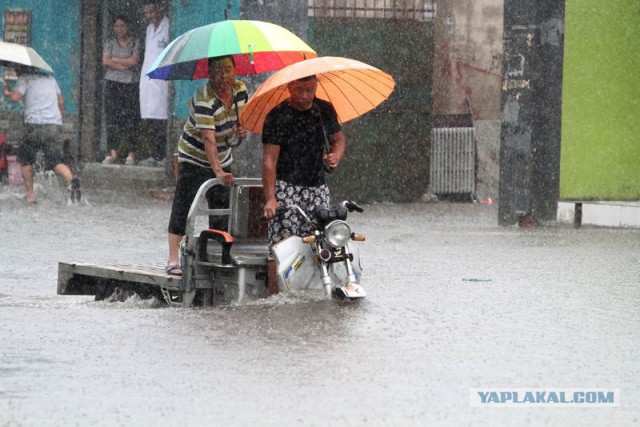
299	135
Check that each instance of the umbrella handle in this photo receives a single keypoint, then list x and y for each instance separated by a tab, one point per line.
233	144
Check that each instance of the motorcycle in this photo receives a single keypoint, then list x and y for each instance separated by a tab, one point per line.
230	267
325	256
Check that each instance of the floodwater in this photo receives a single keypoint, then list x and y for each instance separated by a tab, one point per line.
454	302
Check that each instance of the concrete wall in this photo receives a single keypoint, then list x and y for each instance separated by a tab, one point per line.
467	76
531	100
487	134
468	58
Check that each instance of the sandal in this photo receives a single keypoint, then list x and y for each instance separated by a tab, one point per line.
173	269
108	160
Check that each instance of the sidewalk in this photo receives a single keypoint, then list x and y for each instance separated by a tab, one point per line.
132	179
604	214
153	181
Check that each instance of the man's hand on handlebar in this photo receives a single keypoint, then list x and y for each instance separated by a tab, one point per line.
227	179
352	206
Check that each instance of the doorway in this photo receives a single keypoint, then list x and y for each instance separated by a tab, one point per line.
110	9
96	27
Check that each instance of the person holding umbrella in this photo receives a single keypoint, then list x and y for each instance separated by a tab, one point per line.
299	111
43	111
293	138
204	149
217	51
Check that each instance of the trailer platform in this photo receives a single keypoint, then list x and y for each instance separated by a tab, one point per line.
102	280
219	267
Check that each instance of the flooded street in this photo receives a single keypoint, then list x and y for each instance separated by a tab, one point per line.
454	302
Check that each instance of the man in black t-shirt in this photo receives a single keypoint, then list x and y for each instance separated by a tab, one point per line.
294	138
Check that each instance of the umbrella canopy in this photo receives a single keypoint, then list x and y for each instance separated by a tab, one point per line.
256	46
12	54
353	88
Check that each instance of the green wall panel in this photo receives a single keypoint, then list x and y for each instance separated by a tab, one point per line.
54	35
188	15
600	155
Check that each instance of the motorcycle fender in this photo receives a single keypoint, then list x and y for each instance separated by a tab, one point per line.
338	271
297	268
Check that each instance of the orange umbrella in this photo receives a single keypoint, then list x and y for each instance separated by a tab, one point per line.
353	88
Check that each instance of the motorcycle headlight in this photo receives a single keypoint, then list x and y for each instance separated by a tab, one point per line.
337	233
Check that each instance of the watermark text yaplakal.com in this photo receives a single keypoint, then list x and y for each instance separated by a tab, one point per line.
547	397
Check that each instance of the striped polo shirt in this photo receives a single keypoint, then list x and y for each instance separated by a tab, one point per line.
207	111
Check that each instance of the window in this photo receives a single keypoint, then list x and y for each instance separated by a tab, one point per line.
419	10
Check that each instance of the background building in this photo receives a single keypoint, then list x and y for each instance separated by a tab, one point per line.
504	63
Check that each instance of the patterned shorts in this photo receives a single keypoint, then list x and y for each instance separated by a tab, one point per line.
47	138
289	222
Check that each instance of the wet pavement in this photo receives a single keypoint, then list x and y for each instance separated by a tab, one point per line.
454	302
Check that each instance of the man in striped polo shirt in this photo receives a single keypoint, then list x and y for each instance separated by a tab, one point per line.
204	150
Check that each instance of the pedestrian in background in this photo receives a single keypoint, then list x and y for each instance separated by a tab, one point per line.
43	111
154	94
121	59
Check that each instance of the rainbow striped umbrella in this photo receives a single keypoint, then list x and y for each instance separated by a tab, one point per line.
256	46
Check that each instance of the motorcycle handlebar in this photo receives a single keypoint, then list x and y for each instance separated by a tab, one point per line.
351	207
281	209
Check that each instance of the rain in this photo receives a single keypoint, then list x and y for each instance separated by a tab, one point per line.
475	282
456	303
